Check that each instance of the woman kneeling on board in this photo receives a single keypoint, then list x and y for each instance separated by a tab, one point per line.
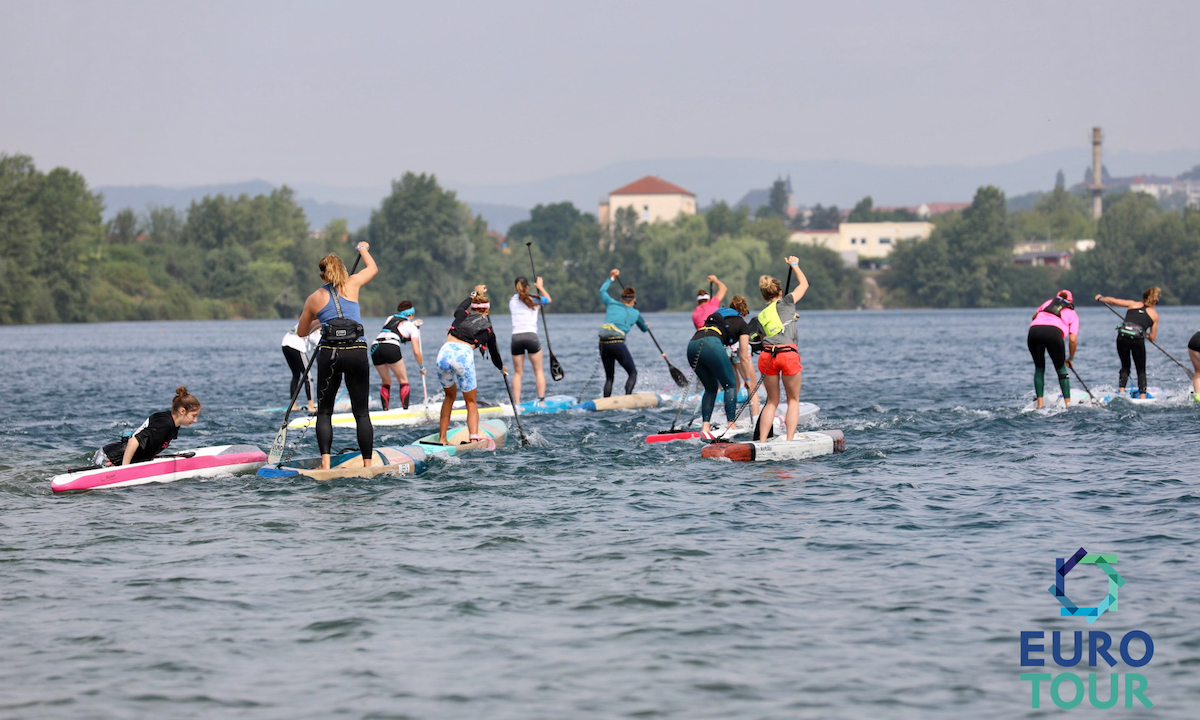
619	319
706	354
524	309
1053	321
387	358
780	354
456	362
1141	322
342	352
154	435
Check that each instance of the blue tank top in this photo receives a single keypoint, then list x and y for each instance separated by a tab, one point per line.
329	312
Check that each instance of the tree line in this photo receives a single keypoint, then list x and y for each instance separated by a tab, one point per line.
968	260
256	257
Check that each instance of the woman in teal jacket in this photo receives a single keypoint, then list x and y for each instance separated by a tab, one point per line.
619	318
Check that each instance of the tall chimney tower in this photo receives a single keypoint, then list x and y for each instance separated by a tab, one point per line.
1097	165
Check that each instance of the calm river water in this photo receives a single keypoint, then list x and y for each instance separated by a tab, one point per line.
593	576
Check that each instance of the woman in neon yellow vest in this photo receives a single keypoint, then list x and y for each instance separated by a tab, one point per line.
781	355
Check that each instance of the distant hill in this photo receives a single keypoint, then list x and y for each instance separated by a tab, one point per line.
829	182
318	211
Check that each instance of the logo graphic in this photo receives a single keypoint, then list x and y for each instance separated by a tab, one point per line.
1058	589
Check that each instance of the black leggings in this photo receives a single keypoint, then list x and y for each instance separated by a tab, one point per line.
1134	350
1043	340
332	365
295	361
612	353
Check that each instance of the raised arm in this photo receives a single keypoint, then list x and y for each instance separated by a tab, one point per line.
720	287
801	281
604	296
542	291
362	277
1116	301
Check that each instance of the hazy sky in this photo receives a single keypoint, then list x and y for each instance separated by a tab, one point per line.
355	93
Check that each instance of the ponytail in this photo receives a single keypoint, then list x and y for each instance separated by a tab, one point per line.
1150	297
184	401
334	271
523	293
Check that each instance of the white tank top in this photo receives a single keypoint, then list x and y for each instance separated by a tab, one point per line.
524	318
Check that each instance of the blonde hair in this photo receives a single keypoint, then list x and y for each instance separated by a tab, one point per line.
1150	297
738	303
184	400
334	271
769	287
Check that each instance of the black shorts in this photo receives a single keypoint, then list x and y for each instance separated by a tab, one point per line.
1194	343
525	343
386	354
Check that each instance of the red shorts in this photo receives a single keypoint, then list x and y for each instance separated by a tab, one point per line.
787	362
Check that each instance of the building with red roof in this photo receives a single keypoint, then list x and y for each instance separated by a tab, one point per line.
653	198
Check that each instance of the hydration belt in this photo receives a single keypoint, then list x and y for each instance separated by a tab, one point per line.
777	349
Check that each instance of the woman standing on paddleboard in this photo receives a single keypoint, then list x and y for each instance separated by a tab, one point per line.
524	309
1054	321
781	354
619	318
1194	354
386	356
154	435
743	364
456	361
1141	322
296	350
342	352
706	354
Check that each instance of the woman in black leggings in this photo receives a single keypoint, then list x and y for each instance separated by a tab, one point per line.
1141	322
342	352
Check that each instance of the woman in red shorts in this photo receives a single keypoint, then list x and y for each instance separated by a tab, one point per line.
780	354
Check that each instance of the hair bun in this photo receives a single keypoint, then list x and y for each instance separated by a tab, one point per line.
181	391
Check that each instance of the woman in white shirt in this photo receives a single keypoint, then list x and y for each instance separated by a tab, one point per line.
524	308
386	356
297	350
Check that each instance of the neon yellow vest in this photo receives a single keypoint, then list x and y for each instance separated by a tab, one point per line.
770	321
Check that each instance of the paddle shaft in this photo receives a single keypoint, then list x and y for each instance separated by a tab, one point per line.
516	412
1164	352
1081	382
532	269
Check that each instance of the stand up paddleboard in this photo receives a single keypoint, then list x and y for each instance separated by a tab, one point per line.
552	404
803	445
1078	397
743	395
202	462
1151	397
458	440
405	460
414	416
808	413
622	402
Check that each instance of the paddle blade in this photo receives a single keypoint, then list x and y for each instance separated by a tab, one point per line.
677	376
277	447
556	370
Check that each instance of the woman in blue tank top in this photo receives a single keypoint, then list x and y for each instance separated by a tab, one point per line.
342	351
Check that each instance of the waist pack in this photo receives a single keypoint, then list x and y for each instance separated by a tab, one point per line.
1131	331
340	331
611	333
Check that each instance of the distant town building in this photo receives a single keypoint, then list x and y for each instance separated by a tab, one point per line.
1048	258
1041	246
652	198
864	240
757	198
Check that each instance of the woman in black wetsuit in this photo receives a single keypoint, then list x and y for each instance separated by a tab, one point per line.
154	435
342	352
1141	322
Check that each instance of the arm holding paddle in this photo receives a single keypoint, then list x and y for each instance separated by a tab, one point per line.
801	280
364	276
721	289
1073	342
542	291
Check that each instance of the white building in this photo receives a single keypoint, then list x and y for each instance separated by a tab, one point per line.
865	240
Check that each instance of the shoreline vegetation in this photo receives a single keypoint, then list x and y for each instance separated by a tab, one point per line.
256	257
